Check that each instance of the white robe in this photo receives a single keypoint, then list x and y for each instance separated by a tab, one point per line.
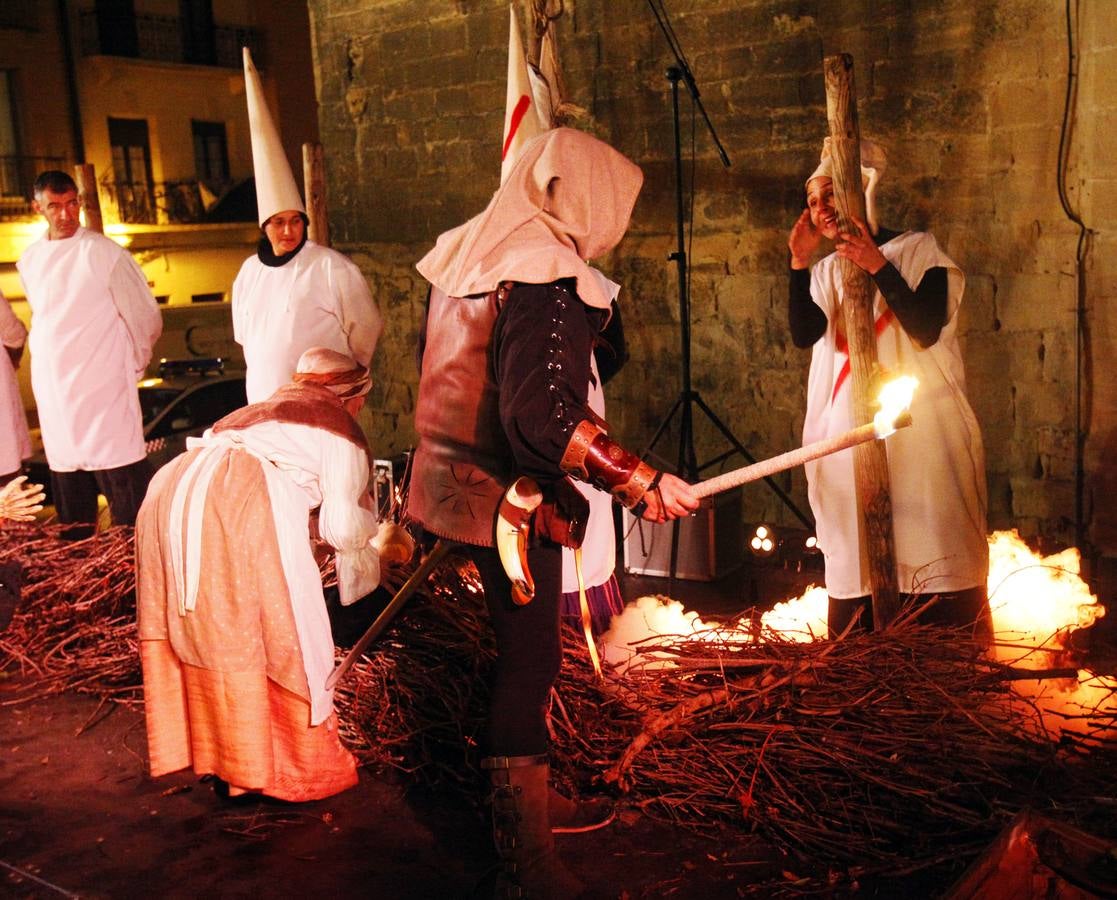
317	299
936	466
304	468
93	325
15	442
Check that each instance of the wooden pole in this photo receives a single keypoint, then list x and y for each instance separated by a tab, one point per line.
870	459
86	179
314	186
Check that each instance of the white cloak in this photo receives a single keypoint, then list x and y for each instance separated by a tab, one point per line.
15	442
936	466
317	299
93	325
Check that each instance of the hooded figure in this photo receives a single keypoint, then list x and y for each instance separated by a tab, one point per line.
293	294
505	365
937	466
234	636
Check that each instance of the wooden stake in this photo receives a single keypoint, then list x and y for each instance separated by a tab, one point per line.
86	179
869	459
314	186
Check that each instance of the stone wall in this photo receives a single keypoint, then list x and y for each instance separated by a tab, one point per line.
968	98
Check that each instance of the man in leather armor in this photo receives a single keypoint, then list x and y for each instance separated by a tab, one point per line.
505	363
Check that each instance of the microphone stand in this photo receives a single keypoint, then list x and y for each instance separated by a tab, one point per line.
688	466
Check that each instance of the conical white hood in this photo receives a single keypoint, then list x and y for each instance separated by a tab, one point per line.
523	117
276	190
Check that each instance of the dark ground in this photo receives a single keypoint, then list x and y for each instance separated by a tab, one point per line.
80	817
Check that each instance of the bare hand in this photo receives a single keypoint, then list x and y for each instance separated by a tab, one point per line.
672	498
393	576
19	502
860	248
803	241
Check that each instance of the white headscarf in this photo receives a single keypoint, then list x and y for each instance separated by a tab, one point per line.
873	163
567	200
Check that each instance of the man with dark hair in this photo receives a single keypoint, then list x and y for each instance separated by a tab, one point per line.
94	323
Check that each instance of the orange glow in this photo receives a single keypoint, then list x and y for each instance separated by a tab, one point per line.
895	400
1036	602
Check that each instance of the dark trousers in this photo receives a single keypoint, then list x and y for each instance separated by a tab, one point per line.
75	495
953	609
529	651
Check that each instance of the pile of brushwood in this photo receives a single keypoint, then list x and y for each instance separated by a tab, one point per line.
889	752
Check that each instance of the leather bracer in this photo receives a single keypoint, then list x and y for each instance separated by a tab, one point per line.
592	456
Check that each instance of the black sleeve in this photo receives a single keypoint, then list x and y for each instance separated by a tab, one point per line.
806	321
922	312
610	350
542	342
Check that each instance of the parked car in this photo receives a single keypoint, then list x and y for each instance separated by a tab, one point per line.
183	401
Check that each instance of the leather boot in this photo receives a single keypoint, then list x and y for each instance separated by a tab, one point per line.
577	816
522	831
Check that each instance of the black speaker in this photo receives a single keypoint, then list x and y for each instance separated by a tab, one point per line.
711	542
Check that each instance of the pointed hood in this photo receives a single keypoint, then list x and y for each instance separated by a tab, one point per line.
524	119
276	190
568	198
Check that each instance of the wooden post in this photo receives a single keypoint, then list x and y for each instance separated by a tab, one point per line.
870	460
314	186
86	179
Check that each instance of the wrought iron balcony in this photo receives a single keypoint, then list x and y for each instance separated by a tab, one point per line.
164	39
154	203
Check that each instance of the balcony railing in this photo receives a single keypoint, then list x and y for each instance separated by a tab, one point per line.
155	203
163	39
17	179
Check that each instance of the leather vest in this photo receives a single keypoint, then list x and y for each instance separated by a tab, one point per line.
463	462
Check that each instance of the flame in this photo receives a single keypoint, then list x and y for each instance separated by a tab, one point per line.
644	618
801	619
894	400
1036	602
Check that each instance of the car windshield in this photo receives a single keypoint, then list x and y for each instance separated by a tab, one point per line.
153	400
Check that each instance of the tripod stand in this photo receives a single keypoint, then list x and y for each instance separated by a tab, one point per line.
689	399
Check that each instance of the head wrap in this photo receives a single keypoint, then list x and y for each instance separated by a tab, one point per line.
873	163
567	200
333	370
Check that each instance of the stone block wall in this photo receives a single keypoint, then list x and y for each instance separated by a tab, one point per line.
968	97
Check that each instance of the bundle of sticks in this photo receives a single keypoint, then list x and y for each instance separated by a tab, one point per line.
75	626
884	752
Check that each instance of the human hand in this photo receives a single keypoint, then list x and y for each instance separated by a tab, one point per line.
19	502
860	248
803	240
672	498
393	576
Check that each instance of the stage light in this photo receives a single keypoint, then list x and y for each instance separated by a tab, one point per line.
763	541
811	544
